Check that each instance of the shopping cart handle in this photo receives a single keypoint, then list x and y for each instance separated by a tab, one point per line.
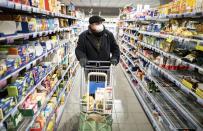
98	63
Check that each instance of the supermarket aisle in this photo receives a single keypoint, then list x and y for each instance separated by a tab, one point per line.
128	114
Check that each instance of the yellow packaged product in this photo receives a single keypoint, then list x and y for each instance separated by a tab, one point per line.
190	5
41	4
1	114
187	84
50	126
199	92
182	6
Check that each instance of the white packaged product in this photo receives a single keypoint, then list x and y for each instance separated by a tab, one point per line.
8	27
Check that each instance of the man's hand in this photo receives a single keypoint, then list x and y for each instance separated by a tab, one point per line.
83	62
114	61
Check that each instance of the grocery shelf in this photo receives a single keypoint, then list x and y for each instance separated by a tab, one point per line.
53	111
167	54
129	43
42	107
30	91
11	38
29	9
47	99
170	55
131	36
28	64
66	100
128	51
169	113
155	18
178	101
173	78
176	38
131	61
194	14
128	28
164	36
143	103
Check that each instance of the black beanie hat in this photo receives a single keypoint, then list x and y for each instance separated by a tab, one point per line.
95	19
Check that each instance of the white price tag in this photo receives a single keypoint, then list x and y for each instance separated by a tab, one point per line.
18	6
13	112
34	9
28	66
26	37
46	32
24	7
11	4
10	39
34	62
40	33
29	8
3	3
34	35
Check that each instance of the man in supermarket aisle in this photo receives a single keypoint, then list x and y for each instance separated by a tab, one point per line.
97	44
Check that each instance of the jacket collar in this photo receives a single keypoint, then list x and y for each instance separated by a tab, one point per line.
93	40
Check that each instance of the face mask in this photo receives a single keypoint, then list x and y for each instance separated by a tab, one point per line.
99	28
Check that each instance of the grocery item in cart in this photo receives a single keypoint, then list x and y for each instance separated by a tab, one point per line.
85	100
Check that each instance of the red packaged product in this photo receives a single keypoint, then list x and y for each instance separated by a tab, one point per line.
25	2
16	1
46	3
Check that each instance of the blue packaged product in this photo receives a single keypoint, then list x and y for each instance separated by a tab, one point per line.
43	44
10	65
6	105
25	27
24	60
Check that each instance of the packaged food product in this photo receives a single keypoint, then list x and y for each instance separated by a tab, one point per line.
3	67
7	28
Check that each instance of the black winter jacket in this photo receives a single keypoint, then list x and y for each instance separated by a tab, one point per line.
86	47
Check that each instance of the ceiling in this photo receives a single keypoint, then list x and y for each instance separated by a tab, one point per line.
111	7
113	3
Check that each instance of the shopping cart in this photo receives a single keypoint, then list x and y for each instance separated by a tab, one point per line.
96	96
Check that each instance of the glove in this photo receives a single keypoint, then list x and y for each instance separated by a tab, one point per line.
83	62
114	61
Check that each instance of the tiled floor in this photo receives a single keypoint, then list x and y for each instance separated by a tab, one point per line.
128	114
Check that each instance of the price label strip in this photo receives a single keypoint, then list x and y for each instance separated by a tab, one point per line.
10	4
10	40
18	6
34	35
26	37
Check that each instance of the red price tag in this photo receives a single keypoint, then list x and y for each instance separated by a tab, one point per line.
10	40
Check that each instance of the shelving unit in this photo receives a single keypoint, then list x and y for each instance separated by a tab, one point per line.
65	37
9	5
177	106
